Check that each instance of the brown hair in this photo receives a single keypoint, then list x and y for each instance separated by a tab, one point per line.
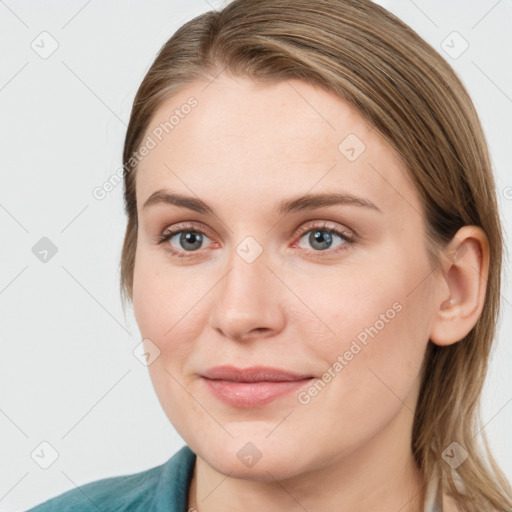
406	91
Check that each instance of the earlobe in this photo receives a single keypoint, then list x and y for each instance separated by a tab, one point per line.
465	276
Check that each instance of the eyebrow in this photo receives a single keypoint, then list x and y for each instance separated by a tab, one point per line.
297	204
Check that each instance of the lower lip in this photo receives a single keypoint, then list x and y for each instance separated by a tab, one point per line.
252	394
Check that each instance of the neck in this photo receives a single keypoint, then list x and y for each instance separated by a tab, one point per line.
380	475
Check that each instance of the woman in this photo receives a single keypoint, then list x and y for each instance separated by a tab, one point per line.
313	253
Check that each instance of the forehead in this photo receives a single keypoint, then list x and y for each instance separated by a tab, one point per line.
281	139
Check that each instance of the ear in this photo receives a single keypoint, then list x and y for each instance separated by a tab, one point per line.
461	293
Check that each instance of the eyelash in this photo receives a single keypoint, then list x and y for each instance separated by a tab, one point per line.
349	239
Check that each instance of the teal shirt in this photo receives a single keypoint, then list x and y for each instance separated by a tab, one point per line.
163	488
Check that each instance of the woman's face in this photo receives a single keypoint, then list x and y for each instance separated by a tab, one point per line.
340	293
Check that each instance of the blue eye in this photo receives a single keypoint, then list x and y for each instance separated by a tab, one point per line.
189	240
322	239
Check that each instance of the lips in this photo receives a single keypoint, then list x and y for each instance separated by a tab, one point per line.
252	374
252	387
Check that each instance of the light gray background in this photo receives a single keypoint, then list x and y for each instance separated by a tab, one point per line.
68	374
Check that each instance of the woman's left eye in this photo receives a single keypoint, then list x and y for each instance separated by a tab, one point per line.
320	237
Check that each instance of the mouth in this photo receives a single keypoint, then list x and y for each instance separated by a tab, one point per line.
252	387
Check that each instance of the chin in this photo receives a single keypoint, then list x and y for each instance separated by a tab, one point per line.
259	459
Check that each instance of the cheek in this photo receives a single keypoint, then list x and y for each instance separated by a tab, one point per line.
164	315
158	296
371	353
170	308
375	333
147	307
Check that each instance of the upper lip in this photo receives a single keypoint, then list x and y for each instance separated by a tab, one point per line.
252	374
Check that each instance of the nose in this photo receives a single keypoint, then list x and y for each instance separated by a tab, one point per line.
248	301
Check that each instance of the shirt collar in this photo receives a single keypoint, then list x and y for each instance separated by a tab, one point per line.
434	495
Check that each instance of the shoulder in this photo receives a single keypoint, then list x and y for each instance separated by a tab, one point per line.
162	487
106	495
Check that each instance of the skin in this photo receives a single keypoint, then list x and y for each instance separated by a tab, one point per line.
244	148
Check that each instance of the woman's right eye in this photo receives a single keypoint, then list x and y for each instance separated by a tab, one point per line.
187	240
